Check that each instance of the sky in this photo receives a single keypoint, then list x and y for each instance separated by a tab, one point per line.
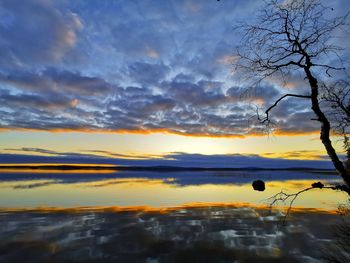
141	80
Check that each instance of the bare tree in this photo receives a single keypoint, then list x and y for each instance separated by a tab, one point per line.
296	36
336	98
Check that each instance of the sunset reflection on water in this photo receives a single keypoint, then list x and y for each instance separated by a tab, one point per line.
147	216
127	189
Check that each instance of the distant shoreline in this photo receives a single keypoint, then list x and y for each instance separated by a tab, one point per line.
65	167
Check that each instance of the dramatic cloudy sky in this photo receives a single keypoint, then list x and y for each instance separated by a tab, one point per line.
139	77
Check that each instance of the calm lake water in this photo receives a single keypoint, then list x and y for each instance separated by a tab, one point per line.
94	216
30	189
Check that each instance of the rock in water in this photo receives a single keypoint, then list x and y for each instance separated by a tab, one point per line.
258	185
317	185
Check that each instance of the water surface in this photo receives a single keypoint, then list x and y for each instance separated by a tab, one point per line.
28	189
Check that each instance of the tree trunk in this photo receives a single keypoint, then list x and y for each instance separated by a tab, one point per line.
325	128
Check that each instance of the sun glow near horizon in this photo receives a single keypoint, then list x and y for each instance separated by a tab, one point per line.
152	146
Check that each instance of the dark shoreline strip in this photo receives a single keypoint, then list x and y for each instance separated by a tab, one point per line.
153	168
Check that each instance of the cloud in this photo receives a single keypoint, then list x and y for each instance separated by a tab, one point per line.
34	103
54	80
146	74
179	159
305	154
63	100
262	95
268	160
33	185
146	68
42	151
152	53
36	32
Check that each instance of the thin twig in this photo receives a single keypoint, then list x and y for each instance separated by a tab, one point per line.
285	197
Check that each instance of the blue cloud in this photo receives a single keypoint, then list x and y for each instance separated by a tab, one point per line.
34	155
36	33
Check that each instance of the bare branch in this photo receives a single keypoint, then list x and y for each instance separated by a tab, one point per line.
285	197
266	119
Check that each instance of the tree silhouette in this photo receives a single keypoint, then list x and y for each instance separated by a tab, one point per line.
299	36
336	97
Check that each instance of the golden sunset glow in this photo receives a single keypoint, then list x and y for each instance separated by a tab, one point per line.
134	146
126	192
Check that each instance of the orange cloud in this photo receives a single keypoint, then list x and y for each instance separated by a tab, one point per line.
227	60
162	131
192	6
296	155
73	103
152	53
